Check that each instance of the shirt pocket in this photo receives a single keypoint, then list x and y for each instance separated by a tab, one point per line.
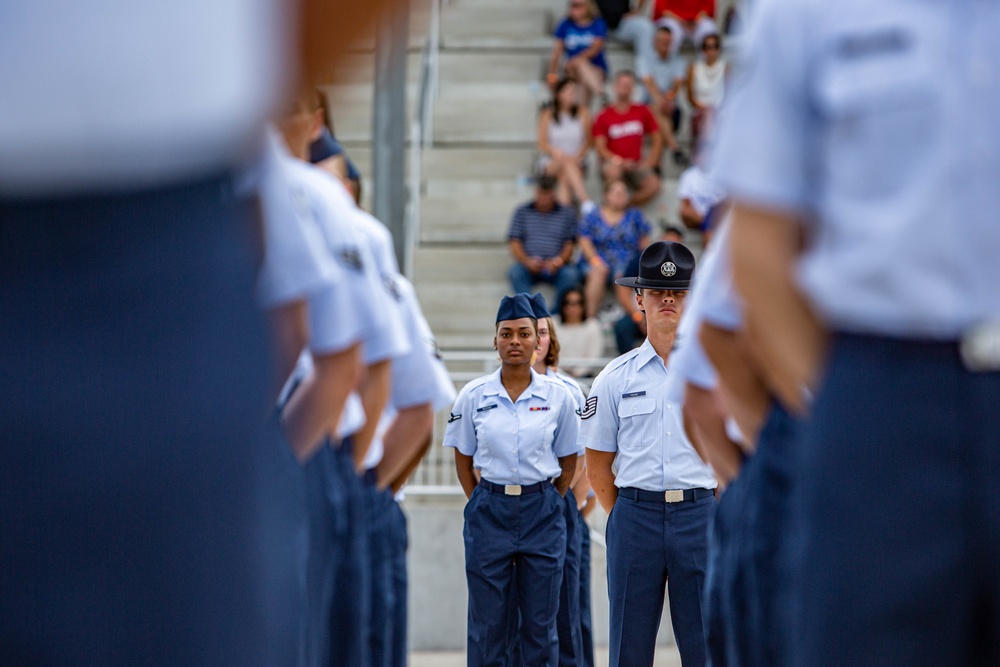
637	423
881	115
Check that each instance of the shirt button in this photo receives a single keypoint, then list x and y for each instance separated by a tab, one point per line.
514	469
669	406
669	433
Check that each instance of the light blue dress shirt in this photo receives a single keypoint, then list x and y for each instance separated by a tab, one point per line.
297	262
363	302
635	410
877	122
517	442
574	389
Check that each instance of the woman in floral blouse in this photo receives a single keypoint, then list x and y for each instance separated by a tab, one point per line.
610	236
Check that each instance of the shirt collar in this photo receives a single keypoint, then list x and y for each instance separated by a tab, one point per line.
646	354
538	387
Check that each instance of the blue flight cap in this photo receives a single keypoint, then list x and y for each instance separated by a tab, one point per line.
538	305
515	307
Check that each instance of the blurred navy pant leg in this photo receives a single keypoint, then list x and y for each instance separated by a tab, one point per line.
723	622
327	511
897	511
383	593
568	616
350	633
401	583
648	541
133	378
769	623
586	622
500	530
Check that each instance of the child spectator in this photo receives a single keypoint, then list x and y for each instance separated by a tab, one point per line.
610	237
580	37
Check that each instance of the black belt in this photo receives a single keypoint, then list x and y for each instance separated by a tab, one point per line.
672	496
513	489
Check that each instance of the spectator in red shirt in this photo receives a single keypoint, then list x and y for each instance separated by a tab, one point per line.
687	19
619	132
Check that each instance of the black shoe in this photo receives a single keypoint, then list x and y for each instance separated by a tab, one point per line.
680	158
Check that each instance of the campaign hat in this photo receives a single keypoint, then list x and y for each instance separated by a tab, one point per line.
662	265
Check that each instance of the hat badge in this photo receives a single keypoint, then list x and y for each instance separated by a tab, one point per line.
668	269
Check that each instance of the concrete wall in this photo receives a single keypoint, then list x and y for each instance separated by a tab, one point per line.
438	596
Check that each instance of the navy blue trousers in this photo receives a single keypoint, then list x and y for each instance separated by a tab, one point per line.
586	620
647	542
328	535
723	622
133	384
379	525
514	542
767	622
897	512
350	614
568	616
400	578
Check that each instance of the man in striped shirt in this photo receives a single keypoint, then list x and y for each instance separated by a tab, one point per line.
541	238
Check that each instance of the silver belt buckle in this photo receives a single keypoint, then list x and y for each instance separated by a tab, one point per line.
673	496
512	489
980	348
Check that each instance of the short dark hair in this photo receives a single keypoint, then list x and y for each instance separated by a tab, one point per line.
673	229
624	72
665	28
546	182
562	302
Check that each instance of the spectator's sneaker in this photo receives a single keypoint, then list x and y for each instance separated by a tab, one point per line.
680	158
586	207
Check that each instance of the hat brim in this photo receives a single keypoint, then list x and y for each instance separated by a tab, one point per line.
639	283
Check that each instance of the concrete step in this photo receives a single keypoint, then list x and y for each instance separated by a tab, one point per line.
449	265
467	26
466	219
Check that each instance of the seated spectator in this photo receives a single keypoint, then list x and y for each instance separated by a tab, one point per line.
697	194
687	19
706	85
580	37
564	141
580	335
610	237
630	329
663	72
619	131
541	238
629	25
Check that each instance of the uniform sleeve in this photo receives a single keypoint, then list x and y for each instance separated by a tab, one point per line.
336	320
599	421
764	150
415	376
295	259
567	434
461	432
